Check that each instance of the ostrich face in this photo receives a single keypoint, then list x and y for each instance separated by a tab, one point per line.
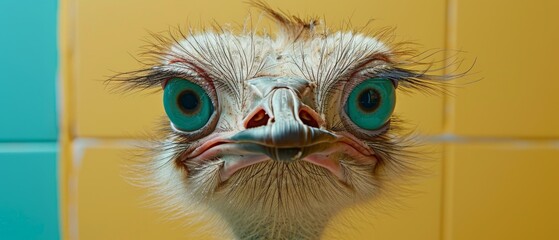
263	105
276	135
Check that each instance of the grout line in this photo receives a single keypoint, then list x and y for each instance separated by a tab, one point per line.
449	121
68	178
82	143
31	141
115	138
449	126
447	184
16	147
451	138
439	138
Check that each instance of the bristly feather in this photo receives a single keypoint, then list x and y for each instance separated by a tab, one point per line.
291	28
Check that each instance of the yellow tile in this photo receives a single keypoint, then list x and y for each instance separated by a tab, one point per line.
109	207
515	43
416	215
504	191
107	32
422	113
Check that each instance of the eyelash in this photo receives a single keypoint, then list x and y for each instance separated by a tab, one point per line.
164	74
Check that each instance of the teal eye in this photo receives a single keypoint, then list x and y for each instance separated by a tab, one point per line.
188	106
371	103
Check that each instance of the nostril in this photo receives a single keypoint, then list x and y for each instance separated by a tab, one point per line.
308	119
260	118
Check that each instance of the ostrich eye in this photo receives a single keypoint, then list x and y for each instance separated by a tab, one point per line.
370	104
188	106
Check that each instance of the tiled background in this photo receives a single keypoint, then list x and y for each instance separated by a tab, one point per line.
495	142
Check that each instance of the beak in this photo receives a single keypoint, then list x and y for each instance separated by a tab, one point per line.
281	123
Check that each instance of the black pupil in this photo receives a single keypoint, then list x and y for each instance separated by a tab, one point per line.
188	101
369	100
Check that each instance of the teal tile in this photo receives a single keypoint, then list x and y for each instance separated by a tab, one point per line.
28	63
29	191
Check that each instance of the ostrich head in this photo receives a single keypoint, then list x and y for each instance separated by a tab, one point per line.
276	134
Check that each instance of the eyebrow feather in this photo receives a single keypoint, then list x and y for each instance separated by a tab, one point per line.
148	78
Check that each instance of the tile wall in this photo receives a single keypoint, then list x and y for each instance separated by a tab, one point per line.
494	139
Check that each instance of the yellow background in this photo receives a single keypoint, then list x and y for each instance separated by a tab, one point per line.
495	142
